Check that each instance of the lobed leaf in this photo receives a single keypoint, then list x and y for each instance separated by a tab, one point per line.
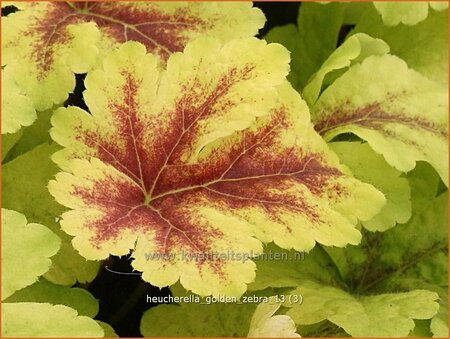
265	324
353	50
26	251
24	189
408	13
44	291
370	167
379	101
17	109
312	41
46	320
383	315
216	157
423	46
43	43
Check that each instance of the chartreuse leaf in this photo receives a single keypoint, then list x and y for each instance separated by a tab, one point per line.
26	251
44	291
46	320
31	136
17	109
107	328
408	13
354	49
45	42
42	47
279	268
312	41
198	320
423	46
383	315
265	324
177	173
377	100
370	167
24	189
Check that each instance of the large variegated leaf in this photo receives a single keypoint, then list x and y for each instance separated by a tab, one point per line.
44	42
214	157
400	113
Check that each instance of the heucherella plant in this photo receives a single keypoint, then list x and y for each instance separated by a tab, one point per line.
285	185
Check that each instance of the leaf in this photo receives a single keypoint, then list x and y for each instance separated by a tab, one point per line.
45	42
24	189
423	46
177	174
354	49
8	142
44	291
377	100
439	323
26	251
312	41
370	167
400	259
265	324
408	13
197	320
17	109
384	315
109	331
32	136
280	268
46	320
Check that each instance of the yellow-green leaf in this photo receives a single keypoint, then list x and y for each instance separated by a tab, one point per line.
370	167
17	109
265	324
45	320
44	42
383	315
26	249
216	157
408	12
400	113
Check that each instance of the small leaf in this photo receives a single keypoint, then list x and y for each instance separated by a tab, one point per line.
265	324
223	158
44	291
17	109
24	188
378	101
46	320
408	13
383	315
353	50
26	251
107	328
370	167
45	42
312	41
